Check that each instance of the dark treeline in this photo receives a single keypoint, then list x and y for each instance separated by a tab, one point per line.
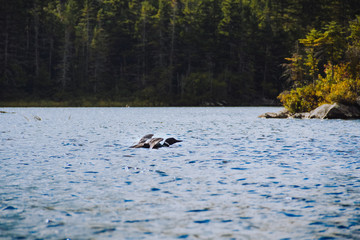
155	52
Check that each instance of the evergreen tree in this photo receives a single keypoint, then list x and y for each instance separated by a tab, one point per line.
180	51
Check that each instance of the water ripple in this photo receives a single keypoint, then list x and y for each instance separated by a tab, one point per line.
75	177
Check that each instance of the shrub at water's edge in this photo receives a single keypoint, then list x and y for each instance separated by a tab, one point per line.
336	86
325	69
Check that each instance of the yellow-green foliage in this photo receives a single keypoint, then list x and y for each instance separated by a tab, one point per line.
342	87
345	91
302	99
337	86
339	81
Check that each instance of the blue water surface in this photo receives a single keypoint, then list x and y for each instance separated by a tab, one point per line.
68	173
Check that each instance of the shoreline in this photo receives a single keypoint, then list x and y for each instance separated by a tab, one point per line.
103	103
325	111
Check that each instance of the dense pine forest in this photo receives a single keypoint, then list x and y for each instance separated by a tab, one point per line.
169	52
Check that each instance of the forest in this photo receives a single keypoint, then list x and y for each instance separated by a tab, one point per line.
174	52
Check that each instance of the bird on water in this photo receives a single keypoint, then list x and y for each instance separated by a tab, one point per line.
148	141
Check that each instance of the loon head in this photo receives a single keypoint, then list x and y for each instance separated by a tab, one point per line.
170	141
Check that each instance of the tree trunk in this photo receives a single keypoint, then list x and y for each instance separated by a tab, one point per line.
263	85
87	40
51	47
172	46
65	63
6	48
143	64
36	40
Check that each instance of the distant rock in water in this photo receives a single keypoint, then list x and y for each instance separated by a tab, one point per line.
325	111
6	112
282	114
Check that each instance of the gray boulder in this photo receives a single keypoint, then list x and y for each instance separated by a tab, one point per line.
358	101
342	111
320	112
336	111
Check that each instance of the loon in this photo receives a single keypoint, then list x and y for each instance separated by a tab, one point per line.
148	142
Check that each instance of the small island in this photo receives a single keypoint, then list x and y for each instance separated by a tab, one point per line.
324	75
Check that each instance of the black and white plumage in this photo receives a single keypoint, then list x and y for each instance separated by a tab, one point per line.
148	141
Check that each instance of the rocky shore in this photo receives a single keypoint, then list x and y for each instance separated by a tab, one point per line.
325	111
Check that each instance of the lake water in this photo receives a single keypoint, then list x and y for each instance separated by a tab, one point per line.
68	173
